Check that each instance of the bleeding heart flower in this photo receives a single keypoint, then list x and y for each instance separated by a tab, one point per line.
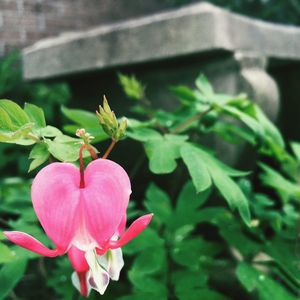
84	215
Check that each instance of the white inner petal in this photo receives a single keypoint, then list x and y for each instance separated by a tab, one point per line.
113	262
98	277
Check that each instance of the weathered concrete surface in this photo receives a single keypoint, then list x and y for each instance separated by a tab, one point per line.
190	30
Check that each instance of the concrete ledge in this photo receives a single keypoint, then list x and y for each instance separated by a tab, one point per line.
189	30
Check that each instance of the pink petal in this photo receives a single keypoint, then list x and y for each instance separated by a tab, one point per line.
105	197
83	284
122	226
56	197
30	243
134	229
78	260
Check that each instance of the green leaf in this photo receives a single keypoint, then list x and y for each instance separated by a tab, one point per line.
146	239
39	153
20	136
196	166
144	134
131	86
15	112
296	149
2	236
231	192
10	274
66	152
267	288
269	127
158	202
159	162
251	122
184	94
149	261
226	186
286	256
203	294
50	131
6	255
233	134
233	234
204	86
186	282
35	114
286	188
188	200
192	252
5	121
81	117
148	286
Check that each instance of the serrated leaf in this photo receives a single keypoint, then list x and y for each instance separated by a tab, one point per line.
35	114
196	166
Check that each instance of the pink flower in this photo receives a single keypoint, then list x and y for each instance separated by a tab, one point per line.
87	222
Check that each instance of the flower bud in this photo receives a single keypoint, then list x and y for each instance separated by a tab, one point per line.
110	124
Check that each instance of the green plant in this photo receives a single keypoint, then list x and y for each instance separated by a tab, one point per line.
217	235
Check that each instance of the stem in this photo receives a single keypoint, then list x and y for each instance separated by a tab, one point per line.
82	183
92	151
112	144
93	154
179	128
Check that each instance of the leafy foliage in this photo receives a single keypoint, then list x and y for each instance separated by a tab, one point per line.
198	245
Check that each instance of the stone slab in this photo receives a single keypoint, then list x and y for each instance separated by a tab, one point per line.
193	29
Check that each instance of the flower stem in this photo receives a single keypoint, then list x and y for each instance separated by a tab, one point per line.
93	155
112	144
181	127
82	183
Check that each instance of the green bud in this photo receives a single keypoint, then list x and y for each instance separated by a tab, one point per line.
109	122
